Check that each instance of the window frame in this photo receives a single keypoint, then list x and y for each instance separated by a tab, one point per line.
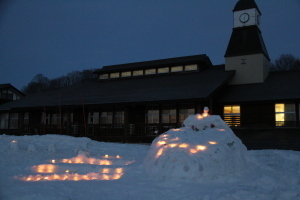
148	71
233	119
283	113
163	70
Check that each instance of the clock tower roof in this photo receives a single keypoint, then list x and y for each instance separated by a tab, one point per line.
246	41
245	4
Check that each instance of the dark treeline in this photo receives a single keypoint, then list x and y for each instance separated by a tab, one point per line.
40	82
286	62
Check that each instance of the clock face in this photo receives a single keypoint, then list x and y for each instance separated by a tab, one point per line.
244	17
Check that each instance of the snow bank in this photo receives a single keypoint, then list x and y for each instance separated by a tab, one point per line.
204	149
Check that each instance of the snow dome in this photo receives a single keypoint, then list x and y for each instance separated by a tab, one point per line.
204	148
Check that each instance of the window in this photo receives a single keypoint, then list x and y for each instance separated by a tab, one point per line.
115	75
169	114
191	67
126	74
106	117
138	73
119	116
285	114
93	118
232	115
152	115
45	119
4	120
55	119
13	120
103	76
163	70
26	118
177	69
9	95
150	71
186	110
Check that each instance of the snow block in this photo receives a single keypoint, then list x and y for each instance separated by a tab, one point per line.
205	148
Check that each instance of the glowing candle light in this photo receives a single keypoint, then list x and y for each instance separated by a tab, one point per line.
183	145
212	142
159	153
193	151
201	147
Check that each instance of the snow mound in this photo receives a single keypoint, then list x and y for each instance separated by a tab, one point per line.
205	148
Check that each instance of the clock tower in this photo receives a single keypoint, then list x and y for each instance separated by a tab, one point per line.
246	52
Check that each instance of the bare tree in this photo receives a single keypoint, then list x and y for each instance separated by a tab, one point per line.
286	62
40	82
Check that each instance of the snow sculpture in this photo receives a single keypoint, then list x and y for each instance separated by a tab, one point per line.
205	148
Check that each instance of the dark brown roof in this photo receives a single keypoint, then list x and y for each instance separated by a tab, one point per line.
161	63
179	86
279	86
245	4
246	41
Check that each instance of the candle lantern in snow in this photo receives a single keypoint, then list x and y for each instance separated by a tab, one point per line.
14	145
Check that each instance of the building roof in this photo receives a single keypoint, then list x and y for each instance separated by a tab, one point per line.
173	86
246	41
245	4
11	87
279	86
161	63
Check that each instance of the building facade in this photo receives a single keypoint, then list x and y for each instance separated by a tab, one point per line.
136	102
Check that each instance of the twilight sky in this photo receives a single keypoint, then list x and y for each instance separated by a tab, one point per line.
54	37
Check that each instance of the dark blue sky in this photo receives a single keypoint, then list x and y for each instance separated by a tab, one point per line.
54	37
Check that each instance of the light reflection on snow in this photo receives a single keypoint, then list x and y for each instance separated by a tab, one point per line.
111	174
104	173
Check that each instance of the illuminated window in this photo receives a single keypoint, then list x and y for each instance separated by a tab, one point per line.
138	73
163	70
285	114
152	115
186	110
126	74
177	69
191	67
232	115
169	114
115	75
106	117
103	76
150	71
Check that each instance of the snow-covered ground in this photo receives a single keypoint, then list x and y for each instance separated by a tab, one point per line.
55	167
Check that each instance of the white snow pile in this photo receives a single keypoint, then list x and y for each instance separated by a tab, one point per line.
205	148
